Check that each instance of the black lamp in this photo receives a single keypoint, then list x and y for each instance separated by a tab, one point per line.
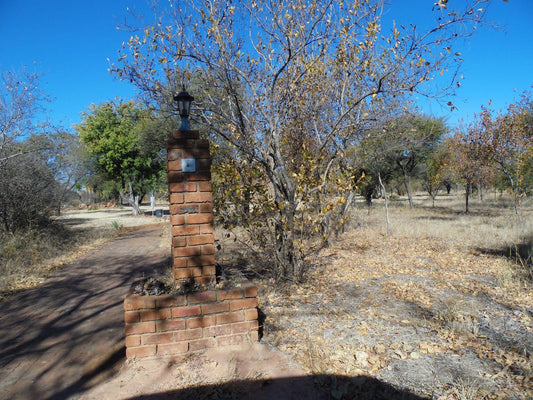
184	100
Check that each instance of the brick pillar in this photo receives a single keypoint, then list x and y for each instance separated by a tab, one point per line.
191	208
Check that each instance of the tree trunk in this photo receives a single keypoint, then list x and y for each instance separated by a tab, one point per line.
468	187
407	183
133	200
384	192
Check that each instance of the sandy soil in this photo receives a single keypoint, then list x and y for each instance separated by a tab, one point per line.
111	217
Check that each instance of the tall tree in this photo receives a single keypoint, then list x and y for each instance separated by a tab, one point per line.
467	162
111	132
507	140
291	84
412	140
20	101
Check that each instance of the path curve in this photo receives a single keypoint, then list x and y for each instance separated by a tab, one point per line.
67	335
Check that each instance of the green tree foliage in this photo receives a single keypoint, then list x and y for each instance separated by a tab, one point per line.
412	139
291	85
112	133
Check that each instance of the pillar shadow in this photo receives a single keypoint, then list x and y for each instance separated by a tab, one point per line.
312	387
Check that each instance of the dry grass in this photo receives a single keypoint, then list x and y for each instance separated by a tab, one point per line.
443	307
27	258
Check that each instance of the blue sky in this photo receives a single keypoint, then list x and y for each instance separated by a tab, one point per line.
69	42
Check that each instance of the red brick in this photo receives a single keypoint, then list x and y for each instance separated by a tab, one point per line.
231	294
218	330
243	304
185	230
174	165
181	135
208	249
202	150
179	241
204	280
131	316
199	176
170	301
203	164
231	340
202	297
139	328
182	273
176	198
205	218
174	154
188	334
199	197
200	322
200	239
229	318
170	349
170	325
206	207
213	308
202	344
152	315
197	271
209	270
189	251
244	327
175	177
186	312
177	220
251	315
200	261
190	187
205	186
140	352
177	190
133	340
157	338
185	209
178	263
250	291
134	302
206	228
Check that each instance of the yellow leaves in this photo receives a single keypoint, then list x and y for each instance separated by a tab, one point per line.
431	348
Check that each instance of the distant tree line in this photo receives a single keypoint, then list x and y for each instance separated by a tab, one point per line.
306	108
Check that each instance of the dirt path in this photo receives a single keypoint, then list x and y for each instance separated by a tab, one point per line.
60	338
64	340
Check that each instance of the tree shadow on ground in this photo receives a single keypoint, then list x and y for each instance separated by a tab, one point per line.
312	387
520	253
61	337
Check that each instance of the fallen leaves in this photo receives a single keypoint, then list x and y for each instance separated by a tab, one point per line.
399	299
